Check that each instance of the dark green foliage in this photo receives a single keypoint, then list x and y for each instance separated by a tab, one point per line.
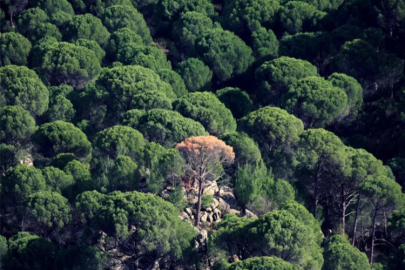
340	254
277	234
22	86
316	101
170	10
80	257
176	197
357	58
53	6
274	77
263	263
196	75
273	129
14	49
236	100
243	17
61	137
302	214
314	47
67	63
163	126
206	108
352	88
245	148
264	43
160	165
119	140
188	28
397	260
20	182
119	39
3	248
59	181
60	18
87	27
29	252
49	210
16	125
151	100
30	19
8	158
44	30
224	52
145	56
123	83
60	108
175	81
154	219
124	175
116	17
81	175
300	17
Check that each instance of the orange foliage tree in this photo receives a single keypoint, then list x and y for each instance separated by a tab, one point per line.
204	157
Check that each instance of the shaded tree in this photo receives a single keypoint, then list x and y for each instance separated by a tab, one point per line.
236	100
224	52
276	76
119	140
87	27
188	28
21	86
67	63
118	39
196	75
58	137
16	126
340	254
145	56
264	43
117	16
163	126
175	81
243	17
14	49
275	130
245	148
316	101
27	251
263	263
50	211
206	108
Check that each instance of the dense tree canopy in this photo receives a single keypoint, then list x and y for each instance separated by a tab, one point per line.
196	75
14	49
224	52
316	101
205	108
21	86
67	63
274	77
16	125
61	137
117	16
87	27
163	126
202	134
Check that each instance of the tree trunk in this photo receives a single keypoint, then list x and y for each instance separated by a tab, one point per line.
356	217
343	203
315	211
197	214
373	237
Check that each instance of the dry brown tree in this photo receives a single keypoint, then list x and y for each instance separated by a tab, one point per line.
204	157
